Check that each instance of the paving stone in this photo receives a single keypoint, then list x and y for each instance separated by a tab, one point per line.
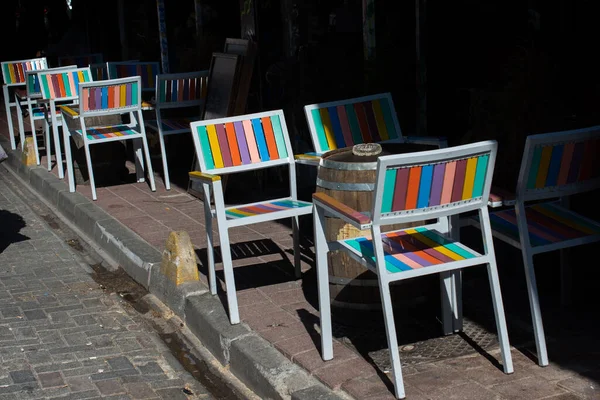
35	314
110	386
140	390
51	379
22	376
120	363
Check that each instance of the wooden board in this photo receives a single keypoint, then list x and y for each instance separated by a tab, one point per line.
222	86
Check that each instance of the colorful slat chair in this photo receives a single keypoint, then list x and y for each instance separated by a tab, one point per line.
344	123
61	88
109	97
81	61
431	185
554	167
177	91
147	70
13	77
237	144
37	110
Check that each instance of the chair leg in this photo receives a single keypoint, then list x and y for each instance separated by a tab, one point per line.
212	279
57	151
19	107
500	318
7	106
88	160
536	313
232	304
68	156
139	161
296	241
48	144
321	249
163	153
33	134
390	329
149	163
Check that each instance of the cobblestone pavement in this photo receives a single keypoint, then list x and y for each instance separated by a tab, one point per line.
64	335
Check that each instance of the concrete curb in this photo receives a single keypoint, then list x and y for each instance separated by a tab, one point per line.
252	359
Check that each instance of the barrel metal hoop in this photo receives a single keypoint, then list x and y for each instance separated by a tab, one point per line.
358	187
348	166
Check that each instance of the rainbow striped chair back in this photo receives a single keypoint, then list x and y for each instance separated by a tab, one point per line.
81	60
146	70
344	123
411	188
554	167
60	88
105	98
237	144
185	91
14	76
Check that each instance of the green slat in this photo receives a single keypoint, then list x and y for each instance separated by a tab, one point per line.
134	93
388	118
442	241
6	74
482	163
368	253
353	122
205	147
279	139
162	91
65	78
320	131
535	165
86	76
44	84
388	190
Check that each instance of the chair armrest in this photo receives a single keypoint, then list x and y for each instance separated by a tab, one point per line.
205	178
71	112
308	159
441	141
500	197
340	210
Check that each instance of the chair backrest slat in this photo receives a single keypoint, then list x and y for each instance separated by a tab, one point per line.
63	85
81	60
146	70
14	72
110	96
560	163
241	143
32	83
348	122
99	71
181	90
445	181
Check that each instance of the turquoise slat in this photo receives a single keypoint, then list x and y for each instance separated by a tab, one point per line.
320	130
279	139
535	165
480	172
389	187
205	146
446	243
425	186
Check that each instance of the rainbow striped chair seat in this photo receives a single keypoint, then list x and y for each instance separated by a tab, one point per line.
422	186
13	77
233	145
344	123
146	70
554	167
174	93
109	97
59	87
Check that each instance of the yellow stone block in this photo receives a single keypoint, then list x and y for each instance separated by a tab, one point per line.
179	259
29	152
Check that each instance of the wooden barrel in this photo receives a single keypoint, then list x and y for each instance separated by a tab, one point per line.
350	179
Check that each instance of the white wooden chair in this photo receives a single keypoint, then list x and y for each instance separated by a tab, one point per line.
344	123
38	110
237	144
109	97
554	167
177	91
13	77
60	88
412	187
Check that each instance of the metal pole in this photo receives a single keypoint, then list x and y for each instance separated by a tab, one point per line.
198	11
420	34
122	32
162	30
369	29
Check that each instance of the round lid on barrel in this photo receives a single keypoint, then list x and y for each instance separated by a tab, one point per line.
369	153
